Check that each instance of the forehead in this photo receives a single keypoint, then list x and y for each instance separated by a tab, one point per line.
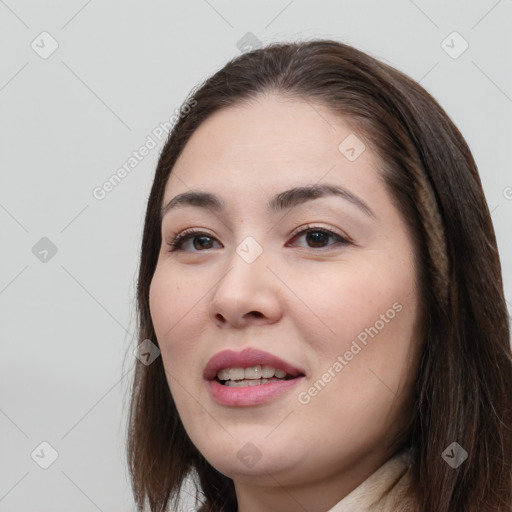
273	142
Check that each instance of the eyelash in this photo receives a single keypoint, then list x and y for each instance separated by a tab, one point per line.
176	241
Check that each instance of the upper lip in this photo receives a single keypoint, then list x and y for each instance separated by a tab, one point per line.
244	359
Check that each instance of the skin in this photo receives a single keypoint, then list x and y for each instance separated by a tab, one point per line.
303	300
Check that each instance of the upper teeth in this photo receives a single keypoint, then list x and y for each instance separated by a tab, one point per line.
252	372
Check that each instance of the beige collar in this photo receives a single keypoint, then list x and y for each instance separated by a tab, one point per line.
385	490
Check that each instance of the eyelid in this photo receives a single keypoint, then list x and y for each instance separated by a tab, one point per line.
192	231
319	227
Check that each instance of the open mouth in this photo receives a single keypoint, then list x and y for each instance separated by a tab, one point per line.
252	376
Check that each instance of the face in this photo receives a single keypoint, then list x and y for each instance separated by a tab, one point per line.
285	257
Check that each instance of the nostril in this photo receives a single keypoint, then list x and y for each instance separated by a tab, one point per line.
225	319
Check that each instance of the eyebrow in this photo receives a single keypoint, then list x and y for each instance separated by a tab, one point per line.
282	201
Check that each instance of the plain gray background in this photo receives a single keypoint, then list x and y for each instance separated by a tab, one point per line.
70	120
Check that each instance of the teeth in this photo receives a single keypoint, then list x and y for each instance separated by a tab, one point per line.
236	373
251	373
223	374
249	382
267	372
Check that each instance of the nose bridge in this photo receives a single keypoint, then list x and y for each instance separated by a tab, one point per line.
247	269
249	250
246	290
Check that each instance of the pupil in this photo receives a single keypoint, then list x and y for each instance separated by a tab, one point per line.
317	238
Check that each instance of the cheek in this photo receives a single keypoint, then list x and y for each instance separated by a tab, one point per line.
171	299
164	302
347	300
174	304
363	330
361	376
179	312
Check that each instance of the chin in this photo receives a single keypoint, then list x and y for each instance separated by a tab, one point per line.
242	458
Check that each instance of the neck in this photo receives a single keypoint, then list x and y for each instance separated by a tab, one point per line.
311	493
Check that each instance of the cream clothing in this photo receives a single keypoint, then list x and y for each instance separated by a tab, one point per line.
383	491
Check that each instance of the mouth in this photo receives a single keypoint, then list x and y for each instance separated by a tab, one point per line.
238	377
249	377
250	366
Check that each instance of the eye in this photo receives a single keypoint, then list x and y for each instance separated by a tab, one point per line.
317	238
310	237
193	241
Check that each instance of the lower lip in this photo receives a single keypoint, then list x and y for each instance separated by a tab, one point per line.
249	395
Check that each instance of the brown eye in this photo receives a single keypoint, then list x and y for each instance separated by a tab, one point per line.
315	238
193	241
202	242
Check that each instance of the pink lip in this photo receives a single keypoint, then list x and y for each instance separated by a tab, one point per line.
243	359
248	395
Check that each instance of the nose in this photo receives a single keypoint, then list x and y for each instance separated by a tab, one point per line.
247	294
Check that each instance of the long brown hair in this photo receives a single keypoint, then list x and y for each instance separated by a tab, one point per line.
464	387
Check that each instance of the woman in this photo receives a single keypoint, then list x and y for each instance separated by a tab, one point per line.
320	273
